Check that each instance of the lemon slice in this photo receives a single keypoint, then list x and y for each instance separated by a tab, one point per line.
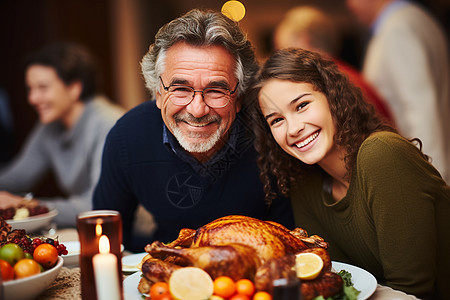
308	265
191	283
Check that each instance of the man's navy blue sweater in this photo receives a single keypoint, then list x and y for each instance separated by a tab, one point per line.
138	167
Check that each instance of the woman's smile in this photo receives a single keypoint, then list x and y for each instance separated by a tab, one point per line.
299	118
308	140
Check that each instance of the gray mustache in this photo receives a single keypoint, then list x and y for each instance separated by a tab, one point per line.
191	119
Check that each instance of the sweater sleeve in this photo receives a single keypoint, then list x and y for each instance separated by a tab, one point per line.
113	190
398	184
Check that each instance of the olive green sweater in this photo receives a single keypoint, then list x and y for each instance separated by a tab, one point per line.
394	221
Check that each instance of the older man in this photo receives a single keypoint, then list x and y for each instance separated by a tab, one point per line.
188	157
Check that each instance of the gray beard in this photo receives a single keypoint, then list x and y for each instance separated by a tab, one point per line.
200	147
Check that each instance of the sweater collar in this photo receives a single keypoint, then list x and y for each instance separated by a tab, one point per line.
69	135
230	147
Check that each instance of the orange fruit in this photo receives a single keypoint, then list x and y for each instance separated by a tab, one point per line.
46	255
7	270
224	286
240	297
262	296
159	290
26	267
245	286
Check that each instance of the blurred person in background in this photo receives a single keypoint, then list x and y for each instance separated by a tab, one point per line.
407	61
312	28
68	140
188	155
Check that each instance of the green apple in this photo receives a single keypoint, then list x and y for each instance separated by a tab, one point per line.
12	253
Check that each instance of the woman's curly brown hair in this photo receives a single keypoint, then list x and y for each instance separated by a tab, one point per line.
353	117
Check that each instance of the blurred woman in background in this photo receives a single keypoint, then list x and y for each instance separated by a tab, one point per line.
68	140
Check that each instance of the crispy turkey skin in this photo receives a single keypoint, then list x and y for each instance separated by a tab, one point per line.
239	247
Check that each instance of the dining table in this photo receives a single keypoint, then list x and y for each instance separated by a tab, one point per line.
67	285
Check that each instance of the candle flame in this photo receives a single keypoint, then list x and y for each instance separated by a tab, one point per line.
98	230
103	244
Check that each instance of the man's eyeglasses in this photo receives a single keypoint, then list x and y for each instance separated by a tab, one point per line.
214	97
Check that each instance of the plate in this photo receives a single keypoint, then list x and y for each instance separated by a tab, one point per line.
130	284
362	280
30	287
130	262
73	249
34	223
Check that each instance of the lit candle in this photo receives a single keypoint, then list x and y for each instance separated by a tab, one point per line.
105	270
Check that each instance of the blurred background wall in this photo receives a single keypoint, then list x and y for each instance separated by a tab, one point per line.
118	32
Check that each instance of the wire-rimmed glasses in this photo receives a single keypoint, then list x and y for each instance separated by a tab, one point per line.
215	97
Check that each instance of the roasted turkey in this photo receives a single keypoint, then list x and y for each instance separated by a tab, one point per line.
234	260
269	239
235	246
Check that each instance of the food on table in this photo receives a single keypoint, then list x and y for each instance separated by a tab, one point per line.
12	253
308	265
26	255
27	208
156	270
46	255
240	297
6	270
241	247
159	291
28	244
262	296
269	239
215	297
245	286
330	284
26	267
190	283
234	260
224	286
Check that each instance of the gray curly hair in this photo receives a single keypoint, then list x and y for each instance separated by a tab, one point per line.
200	28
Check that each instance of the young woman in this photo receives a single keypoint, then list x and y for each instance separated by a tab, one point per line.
369	192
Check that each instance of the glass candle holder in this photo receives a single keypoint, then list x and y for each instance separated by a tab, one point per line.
91	225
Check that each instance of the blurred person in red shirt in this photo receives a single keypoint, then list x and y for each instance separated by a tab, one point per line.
311	28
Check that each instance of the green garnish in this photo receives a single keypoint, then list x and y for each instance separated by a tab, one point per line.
348	292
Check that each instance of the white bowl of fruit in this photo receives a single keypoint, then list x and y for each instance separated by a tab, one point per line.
29	266
30	216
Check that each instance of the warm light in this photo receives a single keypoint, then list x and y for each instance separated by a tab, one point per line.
98	230
234	10
103	244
